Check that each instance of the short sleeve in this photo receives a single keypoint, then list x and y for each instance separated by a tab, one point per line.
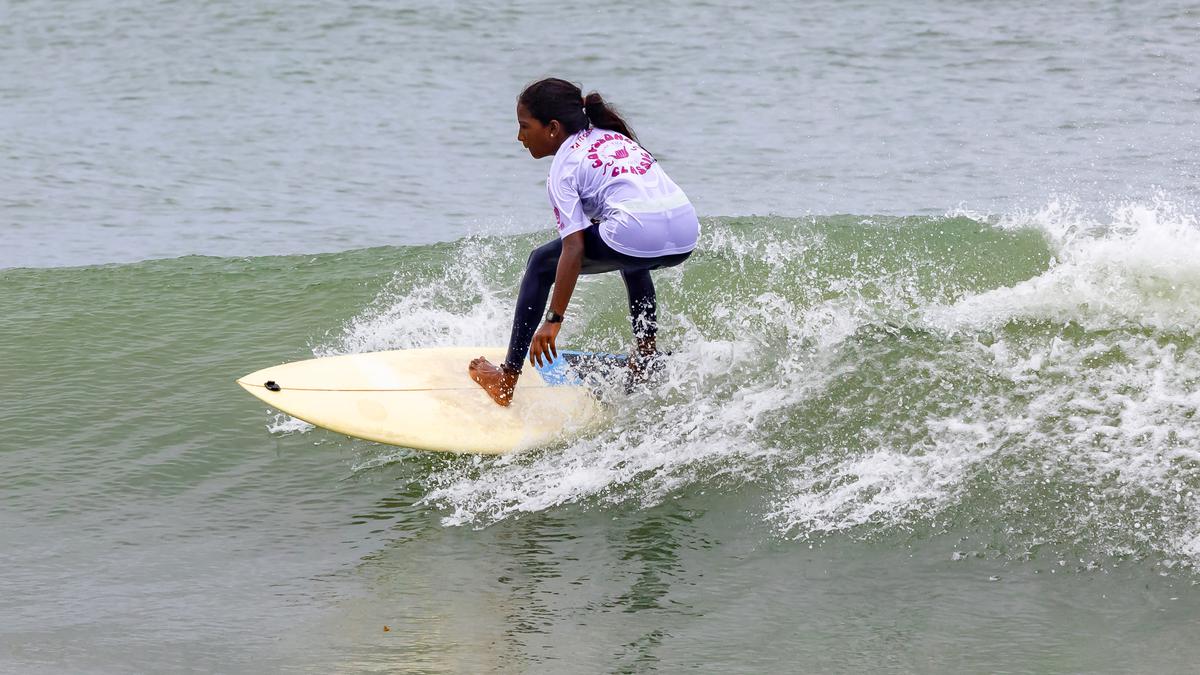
568	208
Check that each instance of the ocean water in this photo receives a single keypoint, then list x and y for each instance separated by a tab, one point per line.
161	129
934	397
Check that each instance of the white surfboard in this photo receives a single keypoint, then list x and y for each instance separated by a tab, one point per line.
425	399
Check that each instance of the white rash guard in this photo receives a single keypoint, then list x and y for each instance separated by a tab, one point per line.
607	176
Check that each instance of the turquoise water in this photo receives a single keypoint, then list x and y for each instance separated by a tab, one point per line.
904	443
934	395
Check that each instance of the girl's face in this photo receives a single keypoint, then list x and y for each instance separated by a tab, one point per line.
542	140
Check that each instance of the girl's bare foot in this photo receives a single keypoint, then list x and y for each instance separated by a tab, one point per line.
497	381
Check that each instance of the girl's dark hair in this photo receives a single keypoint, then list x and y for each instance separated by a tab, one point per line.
555	99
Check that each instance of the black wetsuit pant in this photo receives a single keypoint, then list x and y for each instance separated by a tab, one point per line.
598	257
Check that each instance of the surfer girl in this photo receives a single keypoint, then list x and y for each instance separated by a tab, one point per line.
616	211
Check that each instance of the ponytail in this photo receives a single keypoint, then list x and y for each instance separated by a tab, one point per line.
602	115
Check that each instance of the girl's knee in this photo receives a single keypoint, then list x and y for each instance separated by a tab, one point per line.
543	257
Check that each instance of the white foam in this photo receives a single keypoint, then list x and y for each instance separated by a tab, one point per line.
282	423
461	307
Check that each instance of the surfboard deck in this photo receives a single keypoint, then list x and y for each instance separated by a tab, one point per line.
425	399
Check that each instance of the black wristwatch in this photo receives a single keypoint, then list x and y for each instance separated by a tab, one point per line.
551	317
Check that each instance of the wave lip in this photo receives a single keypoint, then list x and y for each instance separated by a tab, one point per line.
1140	269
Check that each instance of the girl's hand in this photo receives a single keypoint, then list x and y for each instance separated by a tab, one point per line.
543	344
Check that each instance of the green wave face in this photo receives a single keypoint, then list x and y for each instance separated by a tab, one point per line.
864	377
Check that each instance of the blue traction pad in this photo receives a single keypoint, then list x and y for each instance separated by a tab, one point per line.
573	368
